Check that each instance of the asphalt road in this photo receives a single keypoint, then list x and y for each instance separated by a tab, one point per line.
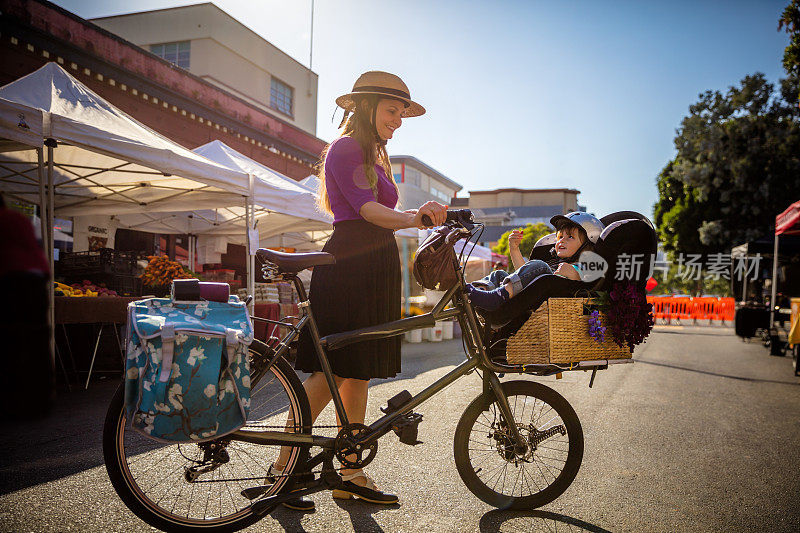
702	433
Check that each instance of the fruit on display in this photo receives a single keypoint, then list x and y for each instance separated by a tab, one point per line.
84	289
161	270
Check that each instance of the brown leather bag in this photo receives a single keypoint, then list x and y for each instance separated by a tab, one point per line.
435	263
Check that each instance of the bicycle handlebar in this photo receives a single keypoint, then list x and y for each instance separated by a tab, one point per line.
459	216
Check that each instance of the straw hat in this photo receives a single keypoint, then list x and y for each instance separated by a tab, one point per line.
383	84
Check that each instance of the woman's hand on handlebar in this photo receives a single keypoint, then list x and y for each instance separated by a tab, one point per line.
435	213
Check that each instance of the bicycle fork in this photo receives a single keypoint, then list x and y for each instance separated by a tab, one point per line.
492	386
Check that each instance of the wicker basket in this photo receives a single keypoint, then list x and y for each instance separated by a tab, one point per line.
558	332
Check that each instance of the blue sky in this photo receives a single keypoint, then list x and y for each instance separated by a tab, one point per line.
579	94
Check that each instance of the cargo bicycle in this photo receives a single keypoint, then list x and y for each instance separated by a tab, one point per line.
518	445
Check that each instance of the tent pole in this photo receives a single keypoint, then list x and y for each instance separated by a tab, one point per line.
251	246
50	218
772	301
744	287
190	248
42	203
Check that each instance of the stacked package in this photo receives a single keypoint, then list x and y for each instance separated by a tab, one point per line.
266	293
286	293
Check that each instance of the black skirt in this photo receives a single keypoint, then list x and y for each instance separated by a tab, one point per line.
361	289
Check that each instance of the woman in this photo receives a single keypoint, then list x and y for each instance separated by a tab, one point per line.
363	287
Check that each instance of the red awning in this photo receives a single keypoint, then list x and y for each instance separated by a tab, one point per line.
788	222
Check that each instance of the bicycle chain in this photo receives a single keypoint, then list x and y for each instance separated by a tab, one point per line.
293	474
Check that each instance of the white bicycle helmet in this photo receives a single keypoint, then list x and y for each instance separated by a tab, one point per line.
589	223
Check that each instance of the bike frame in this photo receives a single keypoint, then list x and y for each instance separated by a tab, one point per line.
477	358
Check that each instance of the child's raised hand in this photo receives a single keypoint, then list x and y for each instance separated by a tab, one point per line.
515	239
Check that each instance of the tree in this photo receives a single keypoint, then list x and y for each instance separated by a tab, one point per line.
790	22
530	234
674	282
737	166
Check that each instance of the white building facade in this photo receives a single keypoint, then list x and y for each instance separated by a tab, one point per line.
211	44
419	183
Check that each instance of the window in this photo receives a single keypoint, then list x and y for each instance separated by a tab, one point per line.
413	176
175	53
441	195
280	97
398	177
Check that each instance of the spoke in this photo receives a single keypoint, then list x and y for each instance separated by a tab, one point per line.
544	477
538	488
545	426
191	499
516	480
544	404
163	479
483	443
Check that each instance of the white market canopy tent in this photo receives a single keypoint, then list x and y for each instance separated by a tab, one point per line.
285	212
310	182
106	162
99	159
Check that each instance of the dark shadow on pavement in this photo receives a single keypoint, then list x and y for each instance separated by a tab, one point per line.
289	519
66	442
361	514
539	521
69	439
740	378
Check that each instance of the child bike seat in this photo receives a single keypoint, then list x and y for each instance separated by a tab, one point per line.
628	244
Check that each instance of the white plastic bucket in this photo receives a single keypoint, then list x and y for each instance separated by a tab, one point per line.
447	329
415	335
436	332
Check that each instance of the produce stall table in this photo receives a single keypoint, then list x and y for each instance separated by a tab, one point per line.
102	311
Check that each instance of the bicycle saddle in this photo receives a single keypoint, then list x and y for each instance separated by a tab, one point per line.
287	262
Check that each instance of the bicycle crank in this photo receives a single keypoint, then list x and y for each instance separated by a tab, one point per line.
347	444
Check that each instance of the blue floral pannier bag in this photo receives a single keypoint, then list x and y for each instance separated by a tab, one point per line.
187	375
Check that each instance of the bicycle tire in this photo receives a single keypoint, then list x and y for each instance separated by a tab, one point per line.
125	450
485	450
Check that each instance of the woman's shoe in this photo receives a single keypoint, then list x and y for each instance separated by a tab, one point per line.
368	492
298	504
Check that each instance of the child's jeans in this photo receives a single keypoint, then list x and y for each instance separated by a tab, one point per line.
520	278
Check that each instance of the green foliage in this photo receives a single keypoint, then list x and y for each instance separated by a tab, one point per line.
790	22
673	283
737	167
530	234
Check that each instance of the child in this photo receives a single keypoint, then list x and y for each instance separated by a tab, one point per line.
575	233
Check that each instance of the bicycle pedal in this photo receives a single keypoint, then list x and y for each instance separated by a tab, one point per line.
397	401
407	428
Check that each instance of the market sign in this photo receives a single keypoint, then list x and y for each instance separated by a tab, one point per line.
788	222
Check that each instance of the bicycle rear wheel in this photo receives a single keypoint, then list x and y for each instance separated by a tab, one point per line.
511	477
186	487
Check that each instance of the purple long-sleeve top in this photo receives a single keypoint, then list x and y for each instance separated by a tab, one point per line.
346	181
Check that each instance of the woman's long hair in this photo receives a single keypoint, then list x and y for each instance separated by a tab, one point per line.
359	126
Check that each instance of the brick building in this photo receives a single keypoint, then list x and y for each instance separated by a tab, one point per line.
167	98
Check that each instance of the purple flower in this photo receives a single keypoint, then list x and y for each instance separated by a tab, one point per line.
596	329
629	318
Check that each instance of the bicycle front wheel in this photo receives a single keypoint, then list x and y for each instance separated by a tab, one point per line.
505	475
208	486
